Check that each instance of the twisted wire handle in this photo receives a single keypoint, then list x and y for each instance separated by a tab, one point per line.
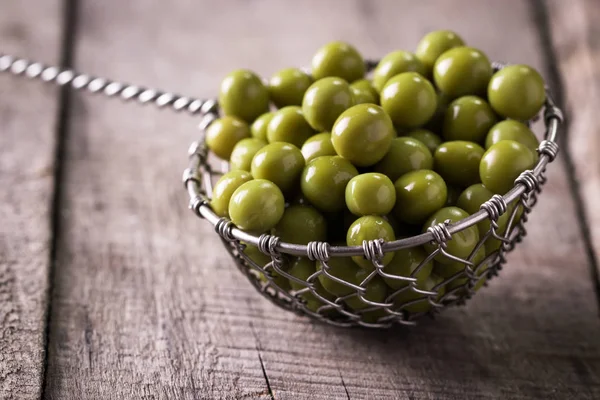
107	87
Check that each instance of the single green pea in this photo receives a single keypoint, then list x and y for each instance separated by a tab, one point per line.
258	129
281	163
300	225
513	130
338	59
370	194
428	138
517	92
342	268
256	206
433	45
502	163
419	303
362	86
409	99
288	125
370	228
458	162
243	95
324	181
375	291
362	134
324	101
452	269
418	195
471	200
468	118
287	87
462	71
393	64
318	145
224	133
405	154
243	152
463	242
405	263
224	188
301	268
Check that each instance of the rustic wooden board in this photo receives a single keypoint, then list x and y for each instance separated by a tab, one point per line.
27	143
147	305
575	39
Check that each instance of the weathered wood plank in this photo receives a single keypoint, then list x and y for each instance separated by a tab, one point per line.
147	305
27	142
575	37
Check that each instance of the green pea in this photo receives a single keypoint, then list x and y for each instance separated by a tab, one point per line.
404	264
243	152
418	195
409	99
362	134
365	89
256	206
324	101
370	194
517	92
287	87
224	188
288	125
243	95
513	130
342	268
375	291
224	133
434	44
318	145
370	228
463	242
258	129
301	224
393	64
468	118
428	138
462	71
458	162
422	306
502	163
324	181
301	268
405	154
338	59
279	162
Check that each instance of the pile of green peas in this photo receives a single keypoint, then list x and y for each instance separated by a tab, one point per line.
335	155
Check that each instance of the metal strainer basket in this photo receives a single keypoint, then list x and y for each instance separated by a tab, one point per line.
399	306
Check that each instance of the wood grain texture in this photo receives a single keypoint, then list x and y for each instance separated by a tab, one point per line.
575	35
146	303
27	142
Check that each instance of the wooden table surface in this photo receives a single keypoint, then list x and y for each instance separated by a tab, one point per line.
111	289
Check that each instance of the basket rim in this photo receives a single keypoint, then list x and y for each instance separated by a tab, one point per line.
197	173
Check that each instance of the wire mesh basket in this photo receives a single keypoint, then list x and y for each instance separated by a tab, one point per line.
267	268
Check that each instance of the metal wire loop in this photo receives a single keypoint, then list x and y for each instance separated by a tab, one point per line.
268	244
318	251
495	207
373	250
223	227
196	203
553	112
440	232
206	121
529	180
548	148
190	174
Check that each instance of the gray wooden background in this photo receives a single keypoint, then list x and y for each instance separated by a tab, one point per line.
111	289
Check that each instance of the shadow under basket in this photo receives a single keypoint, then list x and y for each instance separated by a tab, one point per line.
267	270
